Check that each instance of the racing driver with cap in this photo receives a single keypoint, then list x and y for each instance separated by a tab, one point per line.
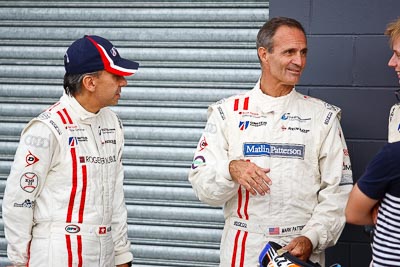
64	201
275	159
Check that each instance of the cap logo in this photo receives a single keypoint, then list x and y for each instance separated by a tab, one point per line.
113	51
108	62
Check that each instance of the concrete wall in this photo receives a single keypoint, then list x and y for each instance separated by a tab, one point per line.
347	66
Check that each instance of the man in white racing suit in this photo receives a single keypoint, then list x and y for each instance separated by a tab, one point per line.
64	201
275	159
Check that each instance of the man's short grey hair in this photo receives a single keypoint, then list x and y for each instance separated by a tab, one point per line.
73	82
267	32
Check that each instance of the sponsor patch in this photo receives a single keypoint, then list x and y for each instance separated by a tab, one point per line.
210	128
26	204
203	143
37	141
346	167
198	161
346	179
104	134
331	107
328	118
251	114
392	111
221	113
55	127
29	182
243	125
72	229
297	129
30	159
44	116
295	151
240	224
287	116
98	160
72	141
119	122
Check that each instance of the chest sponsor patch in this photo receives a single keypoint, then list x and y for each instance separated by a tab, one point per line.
243	125
295	151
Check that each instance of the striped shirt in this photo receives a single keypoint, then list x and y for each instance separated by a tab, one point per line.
381	181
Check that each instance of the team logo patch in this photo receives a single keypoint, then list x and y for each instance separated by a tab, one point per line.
243	125
29	182
72	141
295	151
72	229
31	159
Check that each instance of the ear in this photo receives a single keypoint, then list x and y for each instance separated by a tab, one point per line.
263	54
89	83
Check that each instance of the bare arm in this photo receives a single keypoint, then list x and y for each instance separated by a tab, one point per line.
361	209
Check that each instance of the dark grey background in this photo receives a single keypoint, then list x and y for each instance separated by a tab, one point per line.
347	66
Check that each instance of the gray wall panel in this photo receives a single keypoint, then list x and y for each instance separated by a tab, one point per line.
191	54
371	56
356	16
322	71
362	116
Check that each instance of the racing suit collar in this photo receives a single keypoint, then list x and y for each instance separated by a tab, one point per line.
269	103
82	113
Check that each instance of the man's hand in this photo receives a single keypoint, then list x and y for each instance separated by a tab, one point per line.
125	265
300	247
252	177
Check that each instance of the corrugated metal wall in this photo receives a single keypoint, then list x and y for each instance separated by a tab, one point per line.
191	53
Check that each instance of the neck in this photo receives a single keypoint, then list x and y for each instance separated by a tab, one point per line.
275	89
87	103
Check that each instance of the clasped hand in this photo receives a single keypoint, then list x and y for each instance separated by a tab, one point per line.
251	176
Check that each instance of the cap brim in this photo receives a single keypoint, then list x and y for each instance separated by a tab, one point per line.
123	67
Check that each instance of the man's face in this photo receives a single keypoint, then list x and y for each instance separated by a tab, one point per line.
288	57
108	88
394	61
